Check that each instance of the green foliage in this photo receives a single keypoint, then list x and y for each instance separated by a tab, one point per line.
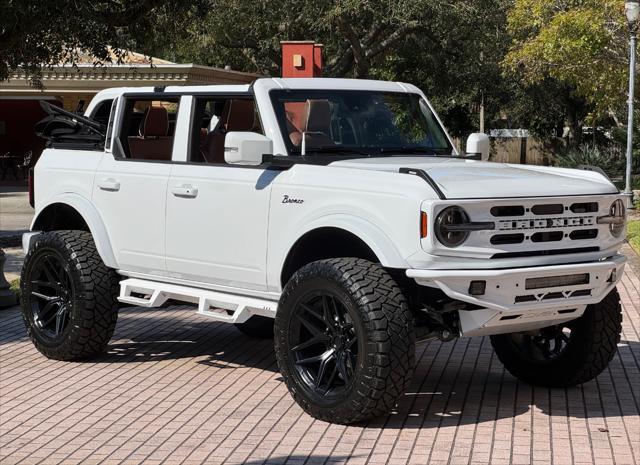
610	159
582	43
34	33
15	286
536	64
633	235
452	50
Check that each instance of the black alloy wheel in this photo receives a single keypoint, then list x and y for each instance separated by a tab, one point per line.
324	340
52	293
69	296
344	340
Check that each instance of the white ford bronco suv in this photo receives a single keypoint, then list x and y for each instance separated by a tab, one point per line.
333	215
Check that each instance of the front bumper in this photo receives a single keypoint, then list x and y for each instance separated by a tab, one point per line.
514	300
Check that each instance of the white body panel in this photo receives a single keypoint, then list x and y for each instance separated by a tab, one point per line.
471	179
64	172
131	198
218	234
382	210
222	233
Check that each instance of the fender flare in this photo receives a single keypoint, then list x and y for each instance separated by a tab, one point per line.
374	237
93	219
381	244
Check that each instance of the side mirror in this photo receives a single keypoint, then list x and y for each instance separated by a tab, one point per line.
246	148
479	143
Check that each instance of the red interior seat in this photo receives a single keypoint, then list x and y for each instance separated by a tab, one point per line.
153	141
237	115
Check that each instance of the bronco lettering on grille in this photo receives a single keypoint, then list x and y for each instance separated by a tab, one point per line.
542	223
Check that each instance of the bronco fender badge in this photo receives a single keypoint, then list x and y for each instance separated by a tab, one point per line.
287	199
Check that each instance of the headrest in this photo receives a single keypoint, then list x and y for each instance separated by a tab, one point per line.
240	115
318	116
155	122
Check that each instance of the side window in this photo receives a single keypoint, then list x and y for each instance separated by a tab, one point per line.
102	111
148	128
214	117
323	121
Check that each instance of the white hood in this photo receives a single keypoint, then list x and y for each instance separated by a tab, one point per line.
465	179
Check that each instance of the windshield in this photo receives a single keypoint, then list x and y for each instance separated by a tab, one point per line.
358	122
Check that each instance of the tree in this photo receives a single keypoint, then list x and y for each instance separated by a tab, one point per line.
356	33
581	43
436	45
36	33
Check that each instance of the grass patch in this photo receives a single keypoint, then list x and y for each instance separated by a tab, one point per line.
15	286
633	234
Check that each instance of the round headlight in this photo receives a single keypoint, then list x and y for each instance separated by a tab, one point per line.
618	215
446	223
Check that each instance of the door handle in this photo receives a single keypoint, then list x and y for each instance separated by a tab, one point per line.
185	190
109	184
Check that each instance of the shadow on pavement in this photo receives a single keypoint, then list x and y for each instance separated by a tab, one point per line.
303	459
168	336
457	393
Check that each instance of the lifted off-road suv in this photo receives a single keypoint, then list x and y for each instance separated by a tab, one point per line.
333	215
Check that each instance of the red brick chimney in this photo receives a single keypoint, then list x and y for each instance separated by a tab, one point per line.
301	59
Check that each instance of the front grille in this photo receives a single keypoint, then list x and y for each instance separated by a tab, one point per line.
532	227
509	210
552	209
548	236
586	207
545	223
504	239
583	234
547	228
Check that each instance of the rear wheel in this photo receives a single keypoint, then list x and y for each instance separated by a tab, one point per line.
344	340
568	354
69	296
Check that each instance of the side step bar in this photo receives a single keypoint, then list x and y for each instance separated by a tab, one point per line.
221	306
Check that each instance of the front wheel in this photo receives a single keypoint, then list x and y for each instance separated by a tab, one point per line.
344	340
69	296
568	354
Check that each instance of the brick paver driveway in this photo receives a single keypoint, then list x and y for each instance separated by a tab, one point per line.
178	388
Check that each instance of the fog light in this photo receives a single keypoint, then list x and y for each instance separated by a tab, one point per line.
614	276
477	287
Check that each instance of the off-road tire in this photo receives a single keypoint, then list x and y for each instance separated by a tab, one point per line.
259	327
593	343
385	366
93	309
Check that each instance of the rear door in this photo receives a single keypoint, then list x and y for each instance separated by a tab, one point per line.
217	213
131	182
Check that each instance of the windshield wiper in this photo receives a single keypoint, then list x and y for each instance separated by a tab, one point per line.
337	150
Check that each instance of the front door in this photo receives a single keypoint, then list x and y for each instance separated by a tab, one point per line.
217	214
217	225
